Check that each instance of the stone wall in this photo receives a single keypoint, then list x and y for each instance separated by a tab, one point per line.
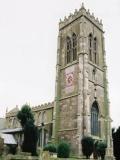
1	145
20	157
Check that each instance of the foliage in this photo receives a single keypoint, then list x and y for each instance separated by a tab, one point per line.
12	148
63	150
50	148
30	138
25	114
101	148
95	154
87	146
116	143
29	129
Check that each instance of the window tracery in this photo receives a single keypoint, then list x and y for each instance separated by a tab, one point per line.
74	41
95	124
71	48
92	45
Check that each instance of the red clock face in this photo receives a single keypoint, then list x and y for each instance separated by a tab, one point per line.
69	79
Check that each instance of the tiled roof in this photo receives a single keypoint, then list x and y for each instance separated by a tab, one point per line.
13	130
8	139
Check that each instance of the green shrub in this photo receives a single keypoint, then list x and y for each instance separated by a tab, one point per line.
87	146
50	148
101	148
63	150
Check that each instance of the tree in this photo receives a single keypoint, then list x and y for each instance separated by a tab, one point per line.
101	149
87	146
30	131
116	143
25	114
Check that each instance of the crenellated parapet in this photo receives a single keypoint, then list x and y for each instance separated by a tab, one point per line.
43	106
79	13
14	111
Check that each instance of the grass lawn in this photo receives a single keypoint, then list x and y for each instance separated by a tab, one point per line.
64	159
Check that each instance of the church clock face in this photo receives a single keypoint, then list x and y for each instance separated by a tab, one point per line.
69	79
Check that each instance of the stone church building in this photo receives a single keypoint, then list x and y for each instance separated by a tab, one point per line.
81	105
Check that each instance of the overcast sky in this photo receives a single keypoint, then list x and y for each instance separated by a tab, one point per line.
28	44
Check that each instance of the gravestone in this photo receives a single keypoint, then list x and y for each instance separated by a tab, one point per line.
45	155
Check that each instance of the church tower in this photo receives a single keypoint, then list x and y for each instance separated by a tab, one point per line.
81	99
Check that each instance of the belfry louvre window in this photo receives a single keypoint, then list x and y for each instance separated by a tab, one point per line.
95	50
95	124
74	40
69	50
90	46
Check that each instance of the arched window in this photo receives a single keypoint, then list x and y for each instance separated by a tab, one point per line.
74	45
14	122
39	118
43	137
10	123
69	47
95	50
90	46
44	117
95	124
